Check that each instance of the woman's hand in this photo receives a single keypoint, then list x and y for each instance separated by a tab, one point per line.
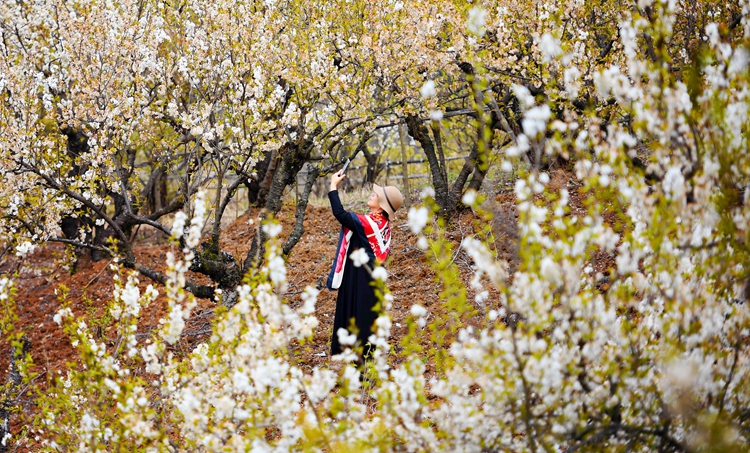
336	179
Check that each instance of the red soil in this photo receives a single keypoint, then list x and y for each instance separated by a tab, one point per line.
90	286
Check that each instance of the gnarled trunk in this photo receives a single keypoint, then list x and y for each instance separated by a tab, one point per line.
13	381
443	196
257	189
293	157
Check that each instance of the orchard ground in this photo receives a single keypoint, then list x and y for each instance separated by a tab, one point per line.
411	280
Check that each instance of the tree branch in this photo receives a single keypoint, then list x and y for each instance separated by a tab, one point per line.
614	428
89	204
469	165
729	379
175	205
83	244
147	221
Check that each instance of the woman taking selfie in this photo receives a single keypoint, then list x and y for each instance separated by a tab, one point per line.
370	232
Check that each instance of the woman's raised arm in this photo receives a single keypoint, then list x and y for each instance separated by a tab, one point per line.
344	217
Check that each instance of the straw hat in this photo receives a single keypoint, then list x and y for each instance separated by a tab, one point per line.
389	198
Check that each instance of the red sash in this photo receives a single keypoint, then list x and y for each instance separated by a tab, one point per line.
378	232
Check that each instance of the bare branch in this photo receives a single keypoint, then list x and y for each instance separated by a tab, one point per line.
138	219
83	244
86	202
175	205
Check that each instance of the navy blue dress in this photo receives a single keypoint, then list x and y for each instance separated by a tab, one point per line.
356	298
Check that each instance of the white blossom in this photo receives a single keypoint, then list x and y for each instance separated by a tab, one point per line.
524	96
272	229
550	47
477	21
522	145
436	115
379	273
469	198
428	90
178	226
24	249
551	271
418	310
277	269
535	120
417	218
196	223
571	79
712	32
359	257
427	192
345	338
309	297
674	184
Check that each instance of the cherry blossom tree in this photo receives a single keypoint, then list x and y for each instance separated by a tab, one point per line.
115	115
557	356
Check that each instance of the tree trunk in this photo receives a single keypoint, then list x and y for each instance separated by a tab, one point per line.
443	195
268	168
441	153
477	178
371	172
103	235
199	291
299	228
463	175
156	191
404	167
221	268
13	381
77	144
293	157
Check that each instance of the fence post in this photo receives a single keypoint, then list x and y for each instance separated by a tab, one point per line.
404	165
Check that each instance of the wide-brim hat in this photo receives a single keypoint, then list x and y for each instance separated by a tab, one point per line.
389	198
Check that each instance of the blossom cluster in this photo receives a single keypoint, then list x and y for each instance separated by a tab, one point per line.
623	326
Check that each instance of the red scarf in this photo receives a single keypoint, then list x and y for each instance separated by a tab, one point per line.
378	232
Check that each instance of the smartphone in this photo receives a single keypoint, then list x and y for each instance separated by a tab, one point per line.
346	165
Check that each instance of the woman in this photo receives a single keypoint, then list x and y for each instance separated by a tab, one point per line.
371	232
